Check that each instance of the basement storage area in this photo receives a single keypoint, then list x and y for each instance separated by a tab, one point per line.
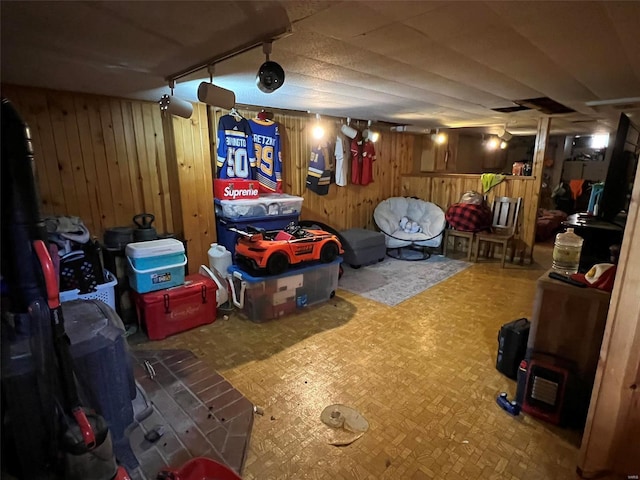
299	239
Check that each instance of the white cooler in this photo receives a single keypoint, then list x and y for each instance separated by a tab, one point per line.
156	264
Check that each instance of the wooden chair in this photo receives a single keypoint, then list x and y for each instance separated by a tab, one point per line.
452	232
504	212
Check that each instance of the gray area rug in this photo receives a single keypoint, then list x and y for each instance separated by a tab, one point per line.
393	281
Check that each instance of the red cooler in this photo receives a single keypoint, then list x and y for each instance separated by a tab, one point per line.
174	310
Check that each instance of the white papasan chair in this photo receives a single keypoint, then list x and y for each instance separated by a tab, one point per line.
427	215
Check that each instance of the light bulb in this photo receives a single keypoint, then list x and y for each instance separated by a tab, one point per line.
441	138
503	145
317	132
374	137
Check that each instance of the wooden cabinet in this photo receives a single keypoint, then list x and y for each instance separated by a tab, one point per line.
569	322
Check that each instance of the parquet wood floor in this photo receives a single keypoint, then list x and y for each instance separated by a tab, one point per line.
422	372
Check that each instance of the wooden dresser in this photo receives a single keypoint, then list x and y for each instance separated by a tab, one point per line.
569	321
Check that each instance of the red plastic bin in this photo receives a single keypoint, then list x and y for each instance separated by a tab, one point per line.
174	310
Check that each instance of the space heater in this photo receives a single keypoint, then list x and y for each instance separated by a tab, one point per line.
549	384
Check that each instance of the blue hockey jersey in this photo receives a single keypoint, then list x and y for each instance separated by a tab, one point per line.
319	175
236	153
266	140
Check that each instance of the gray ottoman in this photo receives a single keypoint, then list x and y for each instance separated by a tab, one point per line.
362	247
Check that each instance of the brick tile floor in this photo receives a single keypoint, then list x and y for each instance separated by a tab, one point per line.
200	417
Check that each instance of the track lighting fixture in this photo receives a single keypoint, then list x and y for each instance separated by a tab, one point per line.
503	134
411	129
174	105
503	145
493	143
270	75
369	134
348	130
215	96
439	138
318	129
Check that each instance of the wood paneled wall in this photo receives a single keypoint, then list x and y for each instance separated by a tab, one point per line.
446	189
102	159
190	154
342	207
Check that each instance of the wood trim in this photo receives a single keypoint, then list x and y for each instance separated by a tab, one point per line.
531	207
610	441
465	175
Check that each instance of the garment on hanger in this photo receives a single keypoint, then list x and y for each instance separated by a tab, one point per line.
576	188
262	115
266	140
235	114
320	169
368	157
236	152
342	156
356	161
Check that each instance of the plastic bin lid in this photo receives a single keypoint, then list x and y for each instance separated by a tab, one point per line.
154	248
294	270
263	198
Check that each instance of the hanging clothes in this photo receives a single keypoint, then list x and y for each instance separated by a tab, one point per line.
342	164
356	161
320	170
490	180
236	153
368	157
576	188
266	140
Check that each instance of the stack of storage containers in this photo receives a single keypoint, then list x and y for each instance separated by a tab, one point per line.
239	205
166	301
269	211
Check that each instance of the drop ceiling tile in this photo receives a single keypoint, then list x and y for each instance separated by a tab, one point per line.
600	64
454	19
625	18
344	20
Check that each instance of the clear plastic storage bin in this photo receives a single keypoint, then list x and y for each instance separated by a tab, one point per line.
267	204
266	298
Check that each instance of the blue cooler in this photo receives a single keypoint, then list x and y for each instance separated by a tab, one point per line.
156	264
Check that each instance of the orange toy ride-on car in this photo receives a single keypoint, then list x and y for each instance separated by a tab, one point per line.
274	251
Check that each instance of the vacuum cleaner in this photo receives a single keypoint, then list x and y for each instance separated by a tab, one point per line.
48	433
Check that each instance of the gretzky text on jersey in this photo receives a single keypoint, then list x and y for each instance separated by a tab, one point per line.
236	153
266	140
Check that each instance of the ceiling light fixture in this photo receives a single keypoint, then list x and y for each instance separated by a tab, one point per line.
174	105
369	134
503	134
215	96
270	76
348	130
439	138
410	129
493	143
318	129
